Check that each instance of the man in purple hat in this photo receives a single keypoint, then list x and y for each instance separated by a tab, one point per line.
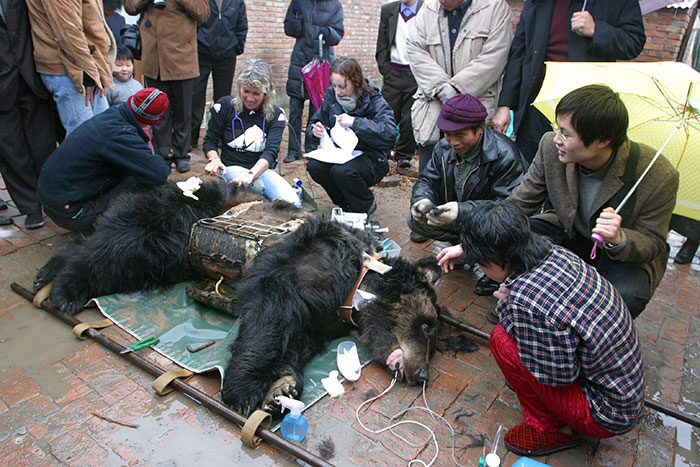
472	162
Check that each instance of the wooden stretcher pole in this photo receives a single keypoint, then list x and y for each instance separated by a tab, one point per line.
191	391
649	403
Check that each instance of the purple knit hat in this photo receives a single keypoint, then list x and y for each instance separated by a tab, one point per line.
460	112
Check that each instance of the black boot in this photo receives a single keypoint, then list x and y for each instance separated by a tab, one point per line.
687	252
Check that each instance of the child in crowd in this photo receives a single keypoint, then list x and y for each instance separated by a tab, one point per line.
124	83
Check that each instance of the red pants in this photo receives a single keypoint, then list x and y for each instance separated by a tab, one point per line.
545	408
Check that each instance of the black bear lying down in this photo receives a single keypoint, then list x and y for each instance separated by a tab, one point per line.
289	295
289	299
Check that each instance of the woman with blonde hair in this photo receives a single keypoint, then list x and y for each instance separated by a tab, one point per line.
248	127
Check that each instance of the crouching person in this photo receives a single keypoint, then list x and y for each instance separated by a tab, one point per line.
100	159
566	342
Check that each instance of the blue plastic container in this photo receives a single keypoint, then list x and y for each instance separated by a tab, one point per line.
527	462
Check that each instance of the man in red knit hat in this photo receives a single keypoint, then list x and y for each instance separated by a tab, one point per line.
104	156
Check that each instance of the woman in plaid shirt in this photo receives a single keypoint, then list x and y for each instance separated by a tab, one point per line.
566	343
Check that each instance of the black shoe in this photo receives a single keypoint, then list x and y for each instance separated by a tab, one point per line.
485	286
4	220
418	238
2	205
687	252
34	221
291	158
182	165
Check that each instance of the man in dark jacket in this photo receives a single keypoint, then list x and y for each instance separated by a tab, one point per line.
306	20
399	84
549	31
219	41
471	162
104	156
26	114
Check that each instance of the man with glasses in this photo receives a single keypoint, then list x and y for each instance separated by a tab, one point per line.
585	168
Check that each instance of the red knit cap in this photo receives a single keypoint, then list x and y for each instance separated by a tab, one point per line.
460	112
148	105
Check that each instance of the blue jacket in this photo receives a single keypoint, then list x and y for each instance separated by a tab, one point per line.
305	26
96	156
224	33
374	125
619	35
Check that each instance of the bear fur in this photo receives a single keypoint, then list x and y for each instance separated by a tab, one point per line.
289	298
139	243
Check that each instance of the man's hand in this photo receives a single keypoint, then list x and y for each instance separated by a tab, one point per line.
89	94
215	166
445	214
582	23
447	92
420	208
608	226
501	120
318	130
502	292
449	256
324	31
245	180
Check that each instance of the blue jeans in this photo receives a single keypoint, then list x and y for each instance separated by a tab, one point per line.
70	103
269	184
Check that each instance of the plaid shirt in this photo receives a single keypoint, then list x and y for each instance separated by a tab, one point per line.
570	323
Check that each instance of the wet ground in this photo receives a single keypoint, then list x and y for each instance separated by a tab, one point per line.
54	387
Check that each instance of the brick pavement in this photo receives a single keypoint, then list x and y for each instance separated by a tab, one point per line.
51	383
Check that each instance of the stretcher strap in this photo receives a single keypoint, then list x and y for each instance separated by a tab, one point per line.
162	383
256	419
42	294
80	329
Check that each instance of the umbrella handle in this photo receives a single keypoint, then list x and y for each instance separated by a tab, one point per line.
320	46
596	240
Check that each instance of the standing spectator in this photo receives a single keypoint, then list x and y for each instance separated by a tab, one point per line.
399	84
102	158
455	47
124	83
353	103
305	21
73	52
26	115
115	21
169	63
557	30
219	41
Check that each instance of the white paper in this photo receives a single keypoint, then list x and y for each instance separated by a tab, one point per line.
328	151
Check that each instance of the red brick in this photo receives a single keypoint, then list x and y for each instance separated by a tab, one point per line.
24	452
77	448
68	417
107	381
16	386
86	356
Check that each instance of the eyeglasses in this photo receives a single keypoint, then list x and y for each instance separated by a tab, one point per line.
558	131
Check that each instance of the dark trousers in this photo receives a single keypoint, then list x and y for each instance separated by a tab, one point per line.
347	184
175	129
530	131
399	87
631	281
445	233
81	217
222	74
296	110
425	152
27	138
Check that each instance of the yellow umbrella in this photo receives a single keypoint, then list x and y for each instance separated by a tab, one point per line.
663	101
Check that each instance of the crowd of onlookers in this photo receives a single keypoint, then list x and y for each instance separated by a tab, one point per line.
520	209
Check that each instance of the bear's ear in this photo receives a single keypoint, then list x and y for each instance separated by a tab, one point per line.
428	265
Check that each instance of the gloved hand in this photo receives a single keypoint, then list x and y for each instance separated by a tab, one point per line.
295	6
445	214
447	92
420	208
324	31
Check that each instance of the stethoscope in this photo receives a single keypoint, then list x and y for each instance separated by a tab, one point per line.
238	119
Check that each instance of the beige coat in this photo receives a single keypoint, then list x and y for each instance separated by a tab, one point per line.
647	222
169	37
71	38
475	66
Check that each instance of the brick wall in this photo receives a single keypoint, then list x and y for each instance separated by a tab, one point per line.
665	29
